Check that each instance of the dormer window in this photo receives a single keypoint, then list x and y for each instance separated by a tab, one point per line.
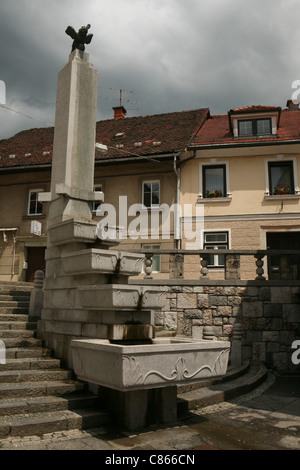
254	127
254	121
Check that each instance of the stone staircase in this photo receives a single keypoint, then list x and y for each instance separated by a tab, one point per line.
37	395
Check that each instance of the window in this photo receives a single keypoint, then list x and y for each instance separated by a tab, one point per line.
151	193
34	206
254	127
155	258
214	181
97	205
216	241
281	178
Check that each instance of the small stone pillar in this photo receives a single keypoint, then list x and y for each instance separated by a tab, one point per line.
208	333
37	295
236	346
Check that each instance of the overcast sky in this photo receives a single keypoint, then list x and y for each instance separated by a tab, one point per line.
173	55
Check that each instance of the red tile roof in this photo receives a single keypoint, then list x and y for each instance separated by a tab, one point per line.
159	134
216	130
257	109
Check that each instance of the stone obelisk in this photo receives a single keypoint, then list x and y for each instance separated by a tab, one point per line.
72	178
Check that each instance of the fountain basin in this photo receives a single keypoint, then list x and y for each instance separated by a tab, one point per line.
164	363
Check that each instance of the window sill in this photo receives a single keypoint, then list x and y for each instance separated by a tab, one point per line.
204	200
274	197
34	216
153	209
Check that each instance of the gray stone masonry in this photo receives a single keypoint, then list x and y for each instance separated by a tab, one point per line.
268	312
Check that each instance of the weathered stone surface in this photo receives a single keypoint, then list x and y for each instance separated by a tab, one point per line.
203	300
187	301
280	295
252	309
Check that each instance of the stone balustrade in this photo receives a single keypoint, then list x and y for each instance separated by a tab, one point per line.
232	267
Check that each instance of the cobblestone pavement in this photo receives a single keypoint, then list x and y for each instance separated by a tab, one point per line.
266	419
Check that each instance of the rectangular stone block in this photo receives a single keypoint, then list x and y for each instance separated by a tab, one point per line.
271	336
281	295
252	309
291	313
185	300
216	300
202	300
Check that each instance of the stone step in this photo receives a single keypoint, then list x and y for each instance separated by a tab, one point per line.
6	317
206	396
42	423
232	373
14	303
15	406
25	343
14	298
30	364
37	389
6	334
19	376
14	310
15	291
33	353
17	325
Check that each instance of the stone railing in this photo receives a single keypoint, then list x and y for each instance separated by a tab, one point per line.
232	267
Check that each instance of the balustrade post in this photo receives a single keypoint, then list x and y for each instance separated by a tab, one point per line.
259	268
236	345
208	333
37	295
204	270
148	266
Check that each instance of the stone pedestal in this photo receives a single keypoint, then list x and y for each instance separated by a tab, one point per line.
142	408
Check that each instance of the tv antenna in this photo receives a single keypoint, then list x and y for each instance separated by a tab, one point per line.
121	98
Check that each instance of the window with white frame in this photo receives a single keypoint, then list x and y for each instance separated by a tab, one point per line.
34	206
155	258
214	181
151	193
216	241
254	126
281	177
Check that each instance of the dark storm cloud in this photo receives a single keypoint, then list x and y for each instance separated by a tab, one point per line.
173	54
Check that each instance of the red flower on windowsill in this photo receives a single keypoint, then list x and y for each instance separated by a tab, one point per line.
214	193
282	189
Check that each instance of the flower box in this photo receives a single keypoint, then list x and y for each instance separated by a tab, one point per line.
282	189
214	193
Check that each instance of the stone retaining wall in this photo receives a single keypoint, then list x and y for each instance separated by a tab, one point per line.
269	315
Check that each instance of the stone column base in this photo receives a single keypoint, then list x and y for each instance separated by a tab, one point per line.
140	408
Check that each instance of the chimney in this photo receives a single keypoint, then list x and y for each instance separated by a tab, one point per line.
292	105
120	112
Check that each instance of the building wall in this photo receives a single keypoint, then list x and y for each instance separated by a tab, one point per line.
116	180
14	191
248	214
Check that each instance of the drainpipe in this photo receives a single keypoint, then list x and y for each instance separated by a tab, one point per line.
177	205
